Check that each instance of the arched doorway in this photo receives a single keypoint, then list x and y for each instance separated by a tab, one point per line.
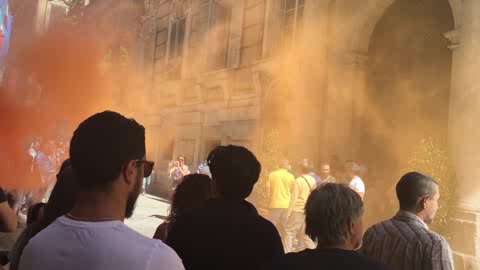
408	84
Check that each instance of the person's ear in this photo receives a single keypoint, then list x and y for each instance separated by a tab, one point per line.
352	228
130	172
424	202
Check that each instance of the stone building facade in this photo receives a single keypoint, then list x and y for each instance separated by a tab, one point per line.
221	72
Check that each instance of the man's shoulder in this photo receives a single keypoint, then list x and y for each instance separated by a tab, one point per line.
357	180
324	259
436	238
410	231
302	178
267	224
281	172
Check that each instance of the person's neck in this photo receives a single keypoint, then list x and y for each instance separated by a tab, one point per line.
420	215
98	206
343	246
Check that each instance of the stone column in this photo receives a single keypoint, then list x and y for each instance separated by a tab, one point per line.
464	134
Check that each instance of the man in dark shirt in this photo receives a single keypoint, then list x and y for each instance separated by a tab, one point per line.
333	220
228	233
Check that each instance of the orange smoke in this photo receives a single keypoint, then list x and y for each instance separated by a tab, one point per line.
54	79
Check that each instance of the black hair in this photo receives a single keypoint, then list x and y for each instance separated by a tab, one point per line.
235	170
101	146
61	201
411	187
194	190
33	212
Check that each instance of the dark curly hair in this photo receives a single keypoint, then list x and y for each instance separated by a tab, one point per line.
192	192
235	170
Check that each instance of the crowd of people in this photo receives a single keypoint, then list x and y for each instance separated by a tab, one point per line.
43	160
211	225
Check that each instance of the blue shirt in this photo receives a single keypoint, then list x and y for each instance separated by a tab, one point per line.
317	178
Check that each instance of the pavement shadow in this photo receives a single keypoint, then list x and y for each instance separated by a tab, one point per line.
157	198
159	216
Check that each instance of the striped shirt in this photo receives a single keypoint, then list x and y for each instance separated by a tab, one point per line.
405	243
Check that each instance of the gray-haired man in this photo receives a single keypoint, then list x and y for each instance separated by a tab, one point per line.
334	220
411	245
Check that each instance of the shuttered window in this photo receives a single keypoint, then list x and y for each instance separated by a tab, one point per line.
235	39
293	19
176	38
218	37
283	25
274	27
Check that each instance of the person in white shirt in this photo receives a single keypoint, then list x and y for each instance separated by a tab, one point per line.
108	161
356	183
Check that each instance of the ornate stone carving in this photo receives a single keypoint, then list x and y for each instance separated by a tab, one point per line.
149	7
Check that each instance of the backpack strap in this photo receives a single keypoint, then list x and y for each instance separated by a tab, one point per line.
306	181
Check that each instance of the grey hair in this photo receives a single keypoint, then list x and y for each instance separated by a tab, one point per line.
352	166
412	187
330	210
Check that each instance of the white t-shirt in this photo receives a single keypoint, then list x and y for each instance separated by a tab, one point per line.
77	245
357	185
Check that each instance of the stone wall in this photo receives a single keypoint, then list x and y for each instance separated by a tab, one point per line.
200	109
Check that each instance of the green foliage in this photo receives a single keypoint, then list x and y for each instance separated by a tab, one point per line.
431	158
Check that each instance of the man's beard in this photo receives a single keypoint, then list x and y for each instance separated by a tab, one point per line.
132	198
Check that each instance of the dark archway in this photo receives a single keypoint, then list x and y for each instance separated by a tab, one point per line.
409	73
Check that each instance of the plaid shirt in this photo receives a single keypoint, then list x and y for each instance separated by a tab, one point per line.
405	243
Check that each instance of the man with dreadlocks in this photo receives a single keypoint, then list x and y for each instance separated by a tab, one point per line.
228	233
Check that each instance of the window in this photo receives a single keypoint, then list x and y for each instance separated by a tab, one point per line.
292	19
236	29
216	35
175	48
176	39
282	26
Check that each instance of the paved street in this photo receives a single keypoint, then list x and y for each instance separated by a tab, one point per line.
149	213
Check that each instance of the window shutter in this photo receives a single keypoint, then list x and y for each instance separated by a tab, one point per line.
176	38
236	27
199	35
172	40
274	25
181	24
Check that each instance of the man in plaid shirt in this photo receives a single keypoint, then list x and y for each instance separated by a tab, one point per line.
405	241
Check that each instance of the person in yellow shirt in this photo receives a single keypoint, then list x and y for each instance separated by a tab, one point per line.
279	187
302	187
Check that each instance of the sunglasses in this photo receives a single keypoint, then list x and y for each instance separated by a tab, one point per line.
147	167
